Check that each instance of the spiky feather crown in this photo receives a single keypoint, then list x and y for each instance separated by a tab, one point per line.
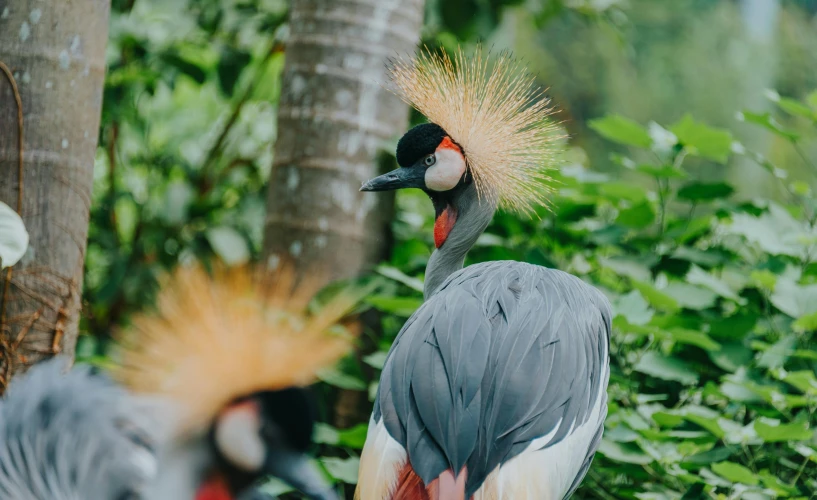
494	110
218	338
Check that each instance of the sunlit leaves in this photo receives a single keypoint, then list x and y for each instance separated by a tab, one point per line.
703	140
621	130
665	368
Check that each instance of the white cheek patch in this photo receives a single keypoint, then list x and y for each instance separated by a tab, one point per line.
447	172
238	438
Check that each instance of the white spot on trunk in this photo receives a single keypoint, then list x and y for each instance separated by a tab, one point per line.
297	86
25	31
86	70
26	77
49	84
295	248
273	262
76	45
5	13
35	16
65	59
65	144
293	179
323	224
343	98
320	241
86	134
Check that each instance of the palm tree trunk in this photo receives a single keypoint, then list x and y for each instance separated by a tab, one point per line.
56	53
334	122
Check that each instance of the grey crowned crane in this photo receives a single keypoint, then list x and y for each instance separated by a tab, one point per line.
495	388
234	353
75	436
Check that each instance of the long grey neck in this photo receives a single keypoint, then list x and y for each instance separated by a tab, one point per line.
473	216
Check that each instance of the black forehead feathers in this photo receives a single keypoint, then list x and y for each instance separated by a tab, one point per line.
293	410
418	142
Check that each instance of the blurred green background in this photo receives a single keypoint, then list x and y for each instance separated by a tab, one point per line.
686	195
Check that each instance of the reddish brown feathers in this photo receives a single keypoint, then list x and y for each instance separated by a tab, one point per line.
409	486
446	487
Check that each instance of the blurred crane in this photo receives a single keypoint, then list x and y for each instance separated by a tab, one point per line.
496	387
75	436
233	354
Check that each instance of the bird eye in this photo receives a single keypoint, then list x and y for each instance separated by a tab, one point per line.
429	160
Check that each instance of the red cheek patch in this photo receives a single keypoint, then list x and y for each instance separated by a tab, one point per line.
447	143
443	225
215	488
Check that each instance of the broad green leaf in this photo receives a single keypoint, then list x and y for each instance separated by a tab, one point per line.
775	484
623	191
735	473
768	122
807	323
714	455
353	437
229	244
400	277
655	297
690	296
731	356
777	354
127	216
400	306
13	237
337	378
638	216
703	140
664	171
693	337
624	452
812	99
697	276
662	139
701	191
325	434
775	231
342	469
772	431
376	359
665	368
634	308
803	380
796	108
622	130
795	300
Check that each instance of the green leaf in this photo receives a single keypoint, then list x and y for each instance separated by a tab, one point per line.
773	431
795	300
376	359
337	378
735	473
638	216
812	99
353	437
399	306
690	296
623	191
777	354
795	108
634	308
228	244
663	172
703	140
697	276
13	237
768	122
342	469
400	277
624	452
622	130
655	297
701	191
807	323
664	368
695	338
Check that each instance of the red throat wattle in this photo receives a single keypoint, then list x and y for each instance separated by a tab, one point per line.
444	224
214	488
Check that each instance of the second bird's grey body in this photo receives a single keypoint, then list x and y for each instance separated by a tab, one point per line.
502	354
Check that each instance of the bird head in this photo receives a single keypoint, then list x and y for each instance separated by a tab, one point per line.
489	125
266	433
235	351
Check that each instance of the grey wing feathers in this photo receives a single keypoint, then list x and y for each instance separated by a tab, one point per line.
503	353
74	436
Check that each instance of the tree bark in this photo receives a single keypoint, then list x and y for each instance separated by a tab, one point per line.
56	52
334	121
334	118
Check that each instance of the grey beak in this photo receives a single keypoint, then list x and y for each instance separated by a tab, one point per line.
401	178
301	473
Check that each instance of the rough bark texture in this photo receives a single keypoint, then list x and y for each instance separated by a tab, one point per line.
333	120
56	51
